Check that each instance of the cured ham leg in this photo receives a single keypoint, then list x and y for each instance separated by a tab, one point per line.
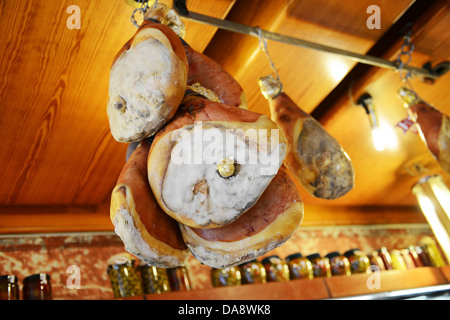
432	125
147	82
267	225
213	161
212	76
146	231
315	158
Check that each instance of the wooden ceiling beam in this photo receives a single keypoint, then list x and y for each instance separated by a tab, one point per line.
420	14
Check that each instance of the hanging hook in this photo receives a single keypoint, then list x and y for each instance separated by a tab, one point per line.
263	47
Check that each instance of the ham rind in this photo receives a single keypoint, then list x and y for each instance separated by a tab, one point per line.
314	157
147	82
185	162
435	131
146	231
211	75
267	225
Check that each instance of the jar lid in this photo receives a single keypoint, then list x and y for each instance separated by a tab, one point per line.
272	259
296	255
10	278
313	256
44	277
333	254
350	252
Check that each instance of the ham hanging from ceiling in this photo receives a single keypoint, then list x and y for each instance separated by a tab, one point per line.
146	231
432	125
212	162
147	82
314	157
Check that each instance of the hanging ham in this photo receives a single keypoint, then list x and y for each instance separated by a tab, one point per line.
432	125
315	158
146	231
213	161
211	75
147	82
267	225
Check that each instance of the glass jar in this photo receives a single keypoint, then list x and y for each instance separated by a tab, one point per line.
376	262
230	276
123	276
423	256
415	257
37	287
340	265
179	279
359	262
407	258
433	251
299	267
276	269
154	279
321	266
397	260
252	272
386	257
9	288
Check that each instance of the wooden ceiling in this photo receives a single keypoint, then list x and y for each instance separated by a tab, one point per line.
58	158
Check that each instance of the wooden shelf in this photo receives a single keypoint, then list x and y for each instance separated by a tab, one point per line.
320	288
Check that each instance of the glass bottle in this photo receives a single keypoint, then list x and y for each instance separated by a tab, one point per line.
397	260
299	267
37	287
340	265
179	279
433	251
384	254
122	273
154	279
9	288
407	258
252	272
230	276
376	262
359	262
321	265
276	269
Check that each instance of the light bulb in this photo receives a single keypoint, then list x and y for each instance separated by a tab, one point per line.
378	138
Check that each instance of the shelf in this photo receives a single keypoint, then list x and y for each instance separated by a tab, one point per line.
324	288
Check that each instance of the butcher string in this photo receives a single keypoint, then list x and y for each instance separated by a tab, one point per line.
263	47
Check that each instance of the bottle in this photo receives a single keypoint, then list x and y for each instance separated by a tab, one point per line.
276	269
321	266
123	276
384	254
230	276
415	257
359	262
423	256
299	267
179	279
339	264
252	272
37	287
432	249
9	288
154	279
407	258
376	262
397	260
